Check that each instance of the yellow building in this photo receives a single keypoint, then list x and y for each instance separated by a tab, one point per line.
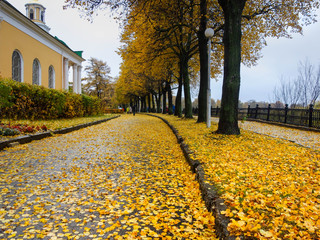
28	53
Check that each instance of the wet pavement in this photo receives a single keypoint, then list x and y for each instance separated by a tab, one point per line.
309	139
123	179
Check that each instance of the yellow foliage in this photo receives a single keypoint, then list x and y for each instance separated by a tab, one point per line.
271	186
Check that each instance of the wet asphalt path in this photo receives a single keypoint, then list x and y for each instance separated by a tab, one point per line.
123	179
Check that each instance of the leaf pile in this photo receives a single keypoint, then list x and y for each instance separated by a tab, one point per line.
123	179
271	186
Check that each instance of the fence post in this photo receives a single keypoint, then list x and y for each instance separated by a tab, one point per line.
217	111
257	108
285	113
310	115
248	114
268	115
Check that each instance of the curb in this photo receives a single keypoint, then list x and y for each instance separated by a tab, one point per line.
210	196
38	136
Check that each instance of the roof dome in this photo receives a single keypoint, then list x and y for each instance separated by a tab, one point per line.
33	1
35	11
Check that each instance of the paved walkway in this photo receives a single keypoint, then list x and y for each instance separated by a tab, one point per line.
123	179
305	138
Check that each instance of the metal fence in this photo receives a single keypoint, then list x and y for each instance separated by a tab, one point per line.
307	117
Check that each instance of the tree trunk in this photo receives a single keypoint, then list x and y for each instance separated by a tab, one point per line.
186	87
178	108
143	104
228	122
153	103
170	111
158	100
149	103
164	99
203	54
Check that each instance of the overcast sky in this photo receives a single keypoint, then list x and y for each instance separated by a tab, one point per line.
100	39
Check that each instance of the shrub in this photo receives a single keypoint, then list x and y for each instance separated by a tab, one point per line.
5	95
25	101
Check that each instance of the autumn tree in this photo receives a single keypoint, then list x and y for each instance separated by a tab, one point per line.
172	27
240	25
98	81
266	18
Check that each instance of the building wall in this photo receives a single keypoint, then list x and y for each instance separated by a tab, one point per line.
12	39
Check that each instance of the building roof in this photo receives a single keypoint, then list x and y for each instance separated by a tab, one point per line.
55	39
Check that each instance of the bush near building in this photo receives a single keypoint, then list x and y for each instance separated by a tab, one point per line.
25	101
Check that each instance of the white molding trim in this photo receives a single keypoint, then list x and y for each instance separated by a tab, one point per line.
79	80
75	78
65	82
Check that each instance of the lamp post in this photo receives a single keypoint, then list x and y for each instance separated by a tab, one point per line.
209	34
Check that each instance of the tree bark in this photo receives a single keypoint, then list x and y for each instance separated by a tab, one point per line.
186	87
158	100
164	99
149	103
153	103
143	104
170	109
178	108
203	54
228	122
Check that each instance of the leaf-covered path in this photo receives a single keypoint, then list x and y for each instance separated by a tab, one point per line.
310	139
124	179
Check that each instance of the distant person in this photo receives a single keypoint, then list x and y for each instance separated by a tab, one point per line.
134	110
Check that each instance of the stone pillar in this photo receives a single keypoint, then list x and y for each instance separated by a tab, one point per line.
65	83
75	78
79	80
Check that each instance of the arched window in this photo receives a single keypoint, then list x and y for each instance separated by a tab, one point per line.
51	77
42	16
31	14
36	72
17	66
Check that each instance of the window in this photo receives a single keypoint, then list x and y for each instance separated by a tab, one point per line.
31	14
16	66
36	72
42	16
51	77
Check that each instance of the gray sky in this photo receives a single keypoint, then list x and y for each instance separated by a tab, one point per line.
100	39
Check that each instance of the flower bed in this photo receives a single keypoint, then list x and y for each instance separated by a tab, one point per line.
16	129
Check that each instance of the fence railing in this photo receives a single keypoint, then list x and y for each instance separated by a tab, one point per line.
307	117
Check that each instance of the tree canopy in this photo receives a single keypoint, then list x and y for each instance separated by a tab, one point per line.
98	81
163	42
